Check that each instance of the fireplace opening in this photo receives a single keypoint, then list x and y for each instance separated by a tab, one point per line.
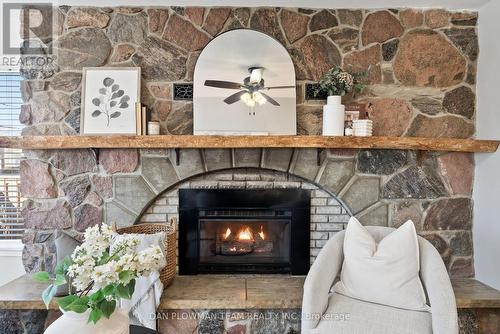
244	231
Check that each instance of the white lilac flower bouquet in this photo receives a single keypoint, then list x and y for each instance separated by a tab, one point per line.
101	273
339	82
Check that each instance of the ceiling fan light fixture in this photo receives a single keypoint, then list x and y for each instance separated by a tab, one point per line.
247	98
259	98
256	74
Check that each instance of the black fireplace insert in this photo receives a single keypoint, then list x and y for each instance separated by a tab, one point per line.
244	231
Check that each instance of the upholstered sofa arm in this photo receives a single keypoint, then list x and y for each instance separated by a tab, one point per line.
320	280
439	290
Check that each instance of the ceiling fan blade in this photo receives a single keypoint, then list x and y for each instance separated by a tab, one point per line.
270	100
223	84
235	97
279	87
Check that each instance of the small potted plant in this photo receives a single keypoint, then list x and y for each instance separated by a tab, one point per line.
337	83
102	273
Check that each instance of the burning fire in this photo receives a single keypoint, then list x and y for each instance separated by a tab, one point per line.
245	234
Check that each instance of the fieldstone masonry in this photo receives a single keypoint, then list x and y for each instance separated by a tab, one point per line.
422	84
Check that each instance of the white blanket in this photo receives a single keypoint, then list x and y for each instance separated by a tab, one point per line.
145	300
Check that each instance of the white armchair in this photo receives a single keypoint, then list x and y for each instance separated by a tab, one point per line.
326	312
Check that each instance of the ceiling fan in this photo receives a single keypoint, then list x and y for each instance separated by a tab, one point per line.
250	90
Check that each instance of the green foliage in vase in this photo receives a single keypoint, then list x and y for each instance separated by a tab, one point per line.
339	82
110	100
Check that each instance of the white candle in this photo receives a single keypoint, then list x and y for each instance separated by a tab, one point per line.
153	128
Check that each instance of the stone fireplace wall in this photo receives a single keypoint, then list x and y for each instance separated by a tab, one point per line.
422	83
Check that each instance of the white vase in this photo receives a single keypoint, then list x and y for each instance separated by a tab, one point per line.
333	117
75	323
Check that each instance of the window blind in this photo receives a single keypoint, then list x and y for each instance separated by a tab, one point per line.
11	222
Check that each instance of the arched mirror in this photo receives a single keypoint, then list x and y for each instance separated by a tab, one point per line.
244	83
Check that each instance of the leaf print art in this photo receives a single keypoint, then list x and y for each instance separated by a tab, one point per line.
111	99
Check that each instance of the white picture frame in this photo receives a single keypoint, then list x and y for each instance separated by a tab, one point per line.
117	90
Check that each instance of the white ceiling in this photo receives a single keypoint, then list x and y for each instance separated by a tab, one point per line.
450	4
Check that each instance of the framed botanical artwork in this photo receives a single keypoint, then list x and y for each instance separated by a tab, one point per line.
109	100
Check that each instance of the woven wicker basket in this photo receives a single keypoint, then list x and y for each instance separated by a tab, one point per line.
168	272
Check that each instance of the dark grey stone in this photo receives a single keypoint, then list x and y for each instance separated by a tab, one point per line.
415	182
73	120
460	101
10	322
75	189
389	49
467	321
180	119
427	105
466	40
212	322
33	320
159	172
268	321
461	243
66	81
382	162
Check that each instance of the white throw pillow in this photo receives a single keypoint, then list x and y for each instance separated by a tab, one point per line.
386	273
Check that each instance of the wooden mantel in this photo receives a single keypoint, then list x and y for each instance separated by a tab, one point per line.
119	141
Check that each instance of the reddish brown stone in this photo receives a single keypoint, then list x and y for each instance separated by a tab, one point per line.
411	18
119	160
93	199
25	114
122	52
195	14
73	162
216	19
82	17
294	24
46	215
380	27
190	65
426	58
242	14
458	169
437	18
440	127
359	61
404	211
489	321
345	38
462	268
161	109
162	91
184	34
86	216
236	329
103	185
36	180
66	81
157	20
438	242
49	107
266	21
314	56
350	17
449	214
323	20
390	116
179	322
